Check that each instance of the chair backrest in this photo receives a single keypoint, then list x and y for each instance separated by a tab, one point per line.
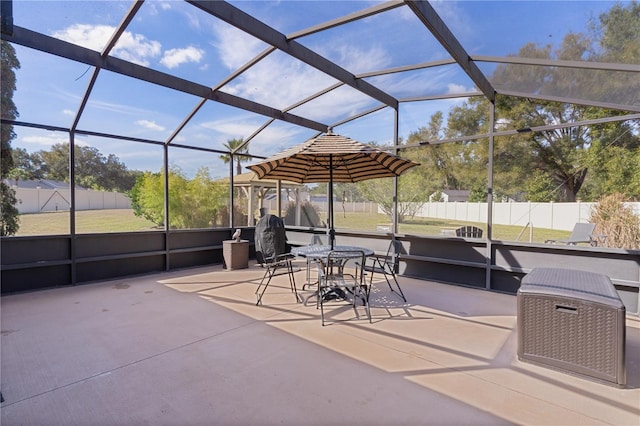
340	258
469	231
393	254
582	231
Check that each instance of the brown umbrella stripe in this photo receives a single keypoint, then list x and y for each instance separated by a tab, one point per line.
331	157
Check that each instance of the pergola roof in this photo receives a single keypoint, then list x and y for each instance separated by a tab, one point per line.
251	179
304	83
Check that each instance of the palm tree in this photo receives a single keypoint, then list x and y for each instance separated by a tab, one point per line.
231	146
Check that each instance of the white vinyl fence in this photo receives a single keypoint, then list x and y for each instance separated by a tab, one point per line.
561	216
33	200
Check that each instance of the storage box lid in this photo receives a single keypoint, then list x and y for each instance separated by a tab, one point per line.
571	283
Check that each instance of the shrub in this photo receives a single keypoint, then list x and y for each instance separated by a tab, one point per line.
617	221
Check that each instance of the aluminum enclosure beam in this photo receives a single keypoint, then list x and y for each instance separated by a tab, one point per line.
558	63
527	130
35	40
261	31
405	68
606	105
348	18
216	88
427	14
107	135
131	13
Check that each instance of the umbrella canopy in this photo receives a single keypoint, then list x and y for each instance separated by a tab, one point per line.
331	158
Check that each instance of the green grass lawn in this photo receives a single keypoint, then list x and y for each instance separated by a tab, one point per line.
121	220
429	226
87	221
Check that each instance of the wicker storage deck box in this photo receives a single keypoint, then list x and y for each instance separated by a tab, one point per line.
235	254
572	321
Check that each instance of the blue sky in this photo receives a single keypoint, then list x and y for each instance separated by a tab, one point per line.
176	38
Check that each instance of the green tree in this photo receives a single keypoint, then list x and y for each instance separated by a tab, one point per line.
461	165
410	194
93	169
540	188
9	222
231	145
613	169
193	203
347	192
26	166
147	197
567	155
318	189
617	34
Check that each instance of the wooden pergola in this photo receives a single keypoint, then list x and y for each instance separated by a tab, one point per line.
256	191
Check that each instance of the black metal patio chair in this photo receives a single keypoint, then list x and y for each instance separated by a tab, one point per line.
335	282
387	265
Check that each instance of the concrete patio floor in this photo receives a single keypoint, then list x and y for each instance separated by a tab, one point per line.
191	348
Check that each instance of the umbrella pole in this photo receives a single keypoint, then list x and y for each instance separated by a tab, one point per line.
332	231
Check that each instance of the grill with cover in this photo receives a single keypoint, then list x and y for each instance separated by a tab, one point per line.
270	238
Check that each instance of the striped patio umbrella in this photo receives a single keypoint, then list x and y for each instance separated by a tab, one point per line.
331	158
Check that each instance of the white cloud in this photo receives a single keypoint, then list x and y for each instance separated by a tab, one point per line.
357	60
154	6
44	141
235	47
39	142
130	47
341	102
90	36
280	81
136	48
129	154
275	139
118	108
151	125
458	88
433	81
456	17
68	112
193	19
406	14
175	57
233	127
270	140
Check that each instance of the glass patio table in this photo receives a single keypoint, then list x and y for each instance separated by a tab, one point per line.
319	253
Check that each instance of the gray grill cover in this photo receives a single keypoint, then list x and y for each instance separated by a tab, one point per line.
270	238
